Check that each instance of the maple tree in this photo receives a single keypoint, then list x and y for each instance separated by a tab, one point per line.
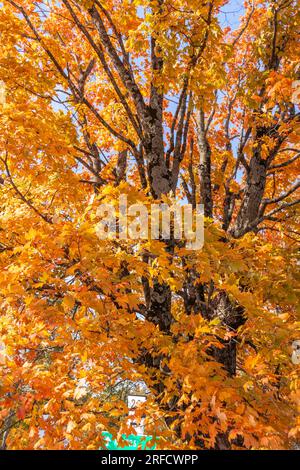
152	99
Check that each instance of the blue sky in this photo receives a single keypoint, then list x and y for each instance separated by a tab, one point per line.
229	16
230	13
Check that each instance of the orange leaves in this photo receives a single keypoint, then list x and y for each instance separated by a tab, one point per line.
80	392
76	325
21	412
68	302
70	427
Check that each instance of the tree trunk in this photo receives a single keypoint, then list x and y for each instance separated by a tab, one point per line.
204	167
249	210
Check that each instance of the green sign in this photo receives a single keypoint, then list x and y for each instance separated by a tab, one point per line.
131	442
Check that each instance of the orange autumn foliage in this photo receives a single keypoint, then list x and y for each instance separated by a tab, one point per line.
152	99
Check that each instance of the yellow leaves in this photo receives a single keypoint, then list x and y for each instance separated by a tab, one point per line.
221	416
33	432
234	187
294	432
80	392
114	409
240	409
71	426
130	300
90	417
234	433
267	145
212	433
256	98
68	302
252	361
84	356
250	441
31	234
87	427
39	444
248	385
76	363
116	413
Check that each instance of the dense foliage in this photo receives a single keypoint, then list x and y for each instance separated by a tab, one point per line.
154	99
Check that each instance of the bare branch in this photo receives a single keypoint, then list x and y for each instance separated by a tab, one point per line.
241	32
100	53
124	74
75	91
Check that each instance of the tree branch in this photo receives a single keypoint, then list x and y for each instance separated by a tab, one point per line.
46	218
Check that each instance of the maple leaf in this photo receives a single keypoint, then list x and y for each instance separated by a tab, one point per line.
153	103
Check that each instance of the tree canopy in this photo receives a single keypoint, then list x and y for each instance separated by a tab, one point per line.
157	100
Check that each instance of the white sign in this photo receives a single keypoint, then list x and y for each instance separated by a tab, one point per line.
133	402
296	352
2	92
